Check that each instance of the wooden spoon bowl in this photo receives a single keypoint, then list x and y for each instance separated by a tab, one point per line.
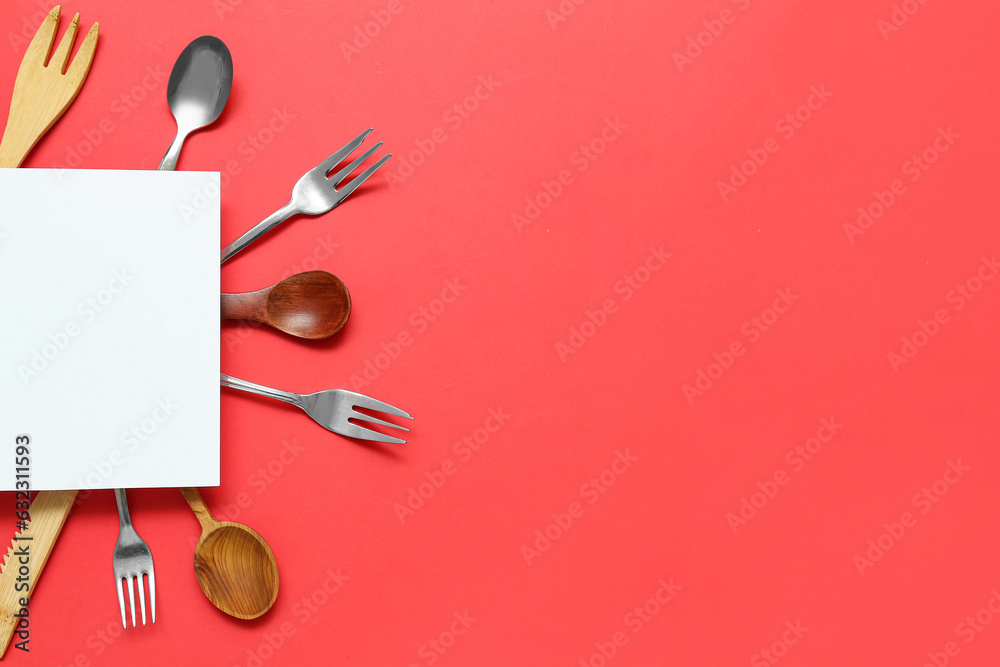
234	565
313	305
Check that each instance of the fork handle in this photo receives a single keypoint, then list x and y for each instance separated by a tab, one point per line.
243	385
269	223
123	517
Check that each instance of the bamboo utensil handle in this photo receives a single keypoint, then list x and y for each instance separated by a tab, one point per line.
48	511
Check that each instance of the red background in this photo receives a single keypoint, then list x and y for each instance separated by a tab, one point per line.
524	288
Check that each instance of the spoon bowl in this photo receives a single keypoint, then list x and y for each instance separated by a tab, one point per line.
313	304
197	90
234	565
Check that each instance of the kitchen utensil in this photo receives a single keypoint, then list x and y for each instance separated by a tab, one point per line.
314	304
234	565
197	90
42	93
41	96
132	559
196	93
315	194
49	510
331	409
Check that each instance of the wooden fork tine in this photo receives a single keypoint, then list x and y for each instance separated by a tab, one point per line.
61	55
41	43
84	57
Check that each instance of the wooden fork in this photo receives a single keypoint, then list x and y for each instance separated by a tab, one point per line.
41	95
43	91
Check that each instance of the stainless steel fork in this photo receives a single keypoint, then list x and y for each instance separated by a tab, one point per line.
315	194
332	409
132	559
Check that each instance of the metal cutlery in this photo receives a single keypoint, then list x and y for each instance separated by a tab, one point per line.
315	193
197	90
332	409
196	93
42	93
132	560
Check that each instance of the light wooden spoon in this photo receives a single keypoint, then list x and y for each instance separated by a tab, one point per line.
235	566
42	93
314	304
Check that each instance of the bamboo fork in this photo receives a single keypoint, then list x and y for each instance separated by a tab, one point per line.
43	91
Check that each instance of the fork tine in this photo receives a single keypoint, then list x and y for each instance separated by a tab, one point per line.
121	602
360	416
61	55
335	159
369	403
365	175
41	43
80	66
152	593
142	597
362	433
131	598
346	171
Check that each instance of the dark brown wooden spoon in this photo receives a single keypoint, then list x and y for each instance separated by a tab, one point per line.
314	304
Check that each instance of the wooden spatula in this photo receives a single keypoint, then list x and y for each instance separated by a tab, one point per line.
44	90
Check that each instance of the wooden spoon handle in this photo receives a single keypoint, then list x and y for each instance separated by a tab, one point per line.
245	306
197	504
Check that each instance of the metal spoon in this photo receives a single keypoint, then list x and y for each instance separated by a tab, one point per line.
314	304
197	90
235	566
